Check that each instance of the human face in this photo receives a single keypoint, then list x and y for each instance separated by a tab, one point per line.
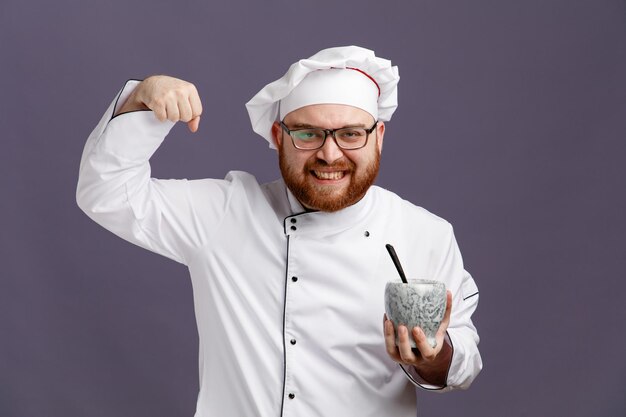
328	178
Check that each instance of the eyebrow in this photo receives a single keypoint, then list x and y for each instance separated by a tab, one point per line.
308	126
303	126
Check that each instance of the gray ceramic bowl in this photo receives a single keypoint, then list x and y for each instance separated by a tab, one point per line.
420	303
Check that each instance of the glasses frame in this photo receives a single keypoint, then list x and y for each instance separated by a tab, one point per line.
327	132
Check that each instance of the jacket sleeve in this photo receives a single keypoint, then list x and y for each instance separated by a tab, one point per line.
115	188
461	335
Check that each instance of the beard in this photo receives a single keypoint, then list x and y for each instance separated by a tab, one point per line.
328	198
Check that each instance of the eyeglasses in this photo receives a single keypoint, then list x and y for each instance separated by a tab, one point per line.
314	138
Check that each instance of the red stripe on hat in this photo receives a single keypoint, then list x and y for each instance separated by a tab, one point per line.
368	76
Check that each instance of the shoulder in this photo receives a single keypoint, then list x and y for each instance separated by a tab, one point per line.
403	213
234	181
267	200
389	200
242	177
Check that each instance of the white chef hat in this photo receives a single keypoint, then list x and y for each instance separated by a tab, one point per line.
344	75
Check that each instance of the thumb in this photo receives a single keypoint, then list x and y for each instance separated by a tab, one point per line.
194	124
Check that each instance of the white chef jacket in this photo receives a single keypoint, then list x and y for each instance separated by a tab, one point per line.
289	304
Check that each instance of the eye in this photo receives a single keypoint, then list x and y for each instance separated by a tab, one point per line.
350	134
308	134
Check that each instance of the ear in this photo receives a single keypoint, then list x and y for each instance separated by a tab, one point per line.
380	135
277	134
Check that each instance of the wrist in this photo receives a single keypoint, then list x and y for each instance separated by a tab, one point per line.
435	371
131	104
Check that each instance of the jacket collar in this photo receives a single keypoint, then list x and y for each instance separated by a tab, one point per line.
319	222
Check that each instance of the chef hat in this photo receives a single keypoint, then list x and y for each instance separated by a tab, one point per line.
344	75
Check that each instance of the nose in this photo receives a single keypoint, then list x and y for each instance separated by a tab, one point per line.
330	152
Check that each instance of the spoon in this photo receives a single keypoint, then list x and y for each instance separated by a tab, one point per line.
396	262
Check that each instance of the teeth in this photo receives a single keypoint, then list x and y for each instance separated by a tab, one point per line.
329	175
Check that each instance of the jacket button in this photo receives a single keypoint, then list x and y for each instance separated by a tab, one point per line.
292	395
294	279
294	228
293	341
293	220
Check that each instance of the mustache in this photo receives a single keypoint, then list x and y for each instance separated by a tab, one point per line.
340	165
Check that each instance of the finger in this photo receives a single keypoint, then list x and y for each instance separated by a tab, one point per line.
194	124
390	340
446	316
158	107
426	350
184	109
404	345
196	104
172	111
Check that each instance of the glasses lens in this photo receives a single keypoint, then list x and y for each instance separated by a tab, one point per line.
351	138
308	138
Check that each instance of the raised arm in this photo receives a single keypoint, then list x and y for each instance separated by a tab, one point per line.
115	187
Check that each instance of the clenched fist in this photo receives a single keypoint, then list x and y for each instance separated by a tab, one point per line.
169	98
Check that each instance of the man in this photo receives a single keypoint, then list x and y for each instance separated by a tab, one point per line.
288	277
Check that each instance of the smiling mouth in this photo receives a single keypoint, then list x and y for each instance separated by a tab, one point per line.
323	175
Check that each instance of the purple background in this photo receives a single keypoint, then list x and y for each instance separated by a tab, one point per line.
511	125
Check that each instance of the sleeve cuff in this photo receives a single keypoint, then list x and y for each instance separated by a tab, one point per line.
128	88
135	136
466	362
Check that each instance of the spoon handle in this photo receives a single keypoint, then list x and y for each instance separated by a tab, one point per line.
396	262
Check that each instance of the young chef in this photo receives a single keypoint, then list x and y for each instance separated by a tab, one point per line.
288	277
